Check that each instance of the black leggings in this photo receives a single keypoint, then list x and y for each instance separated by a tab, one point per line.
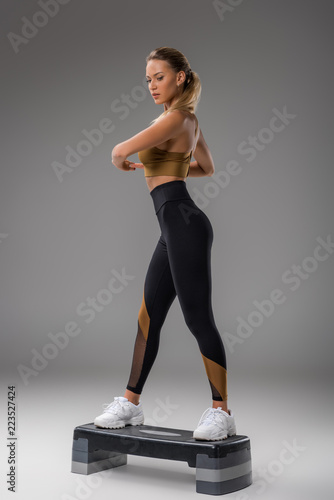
181	264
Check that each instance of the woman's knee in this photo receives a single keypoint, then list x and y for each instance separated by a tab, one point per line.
196	322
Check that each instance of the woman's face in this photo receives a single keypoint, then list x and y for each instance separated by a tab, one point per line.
162	80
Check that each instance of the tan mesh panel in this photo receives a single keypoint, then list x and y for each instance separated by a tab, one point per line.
138	357
215	393
217	376
140	344
143	318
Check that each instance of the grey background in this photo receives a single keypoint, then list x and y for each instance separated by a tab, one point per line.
60	241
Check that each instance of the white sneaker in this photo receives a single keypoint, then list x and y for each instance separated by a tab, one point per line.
215	424
119	413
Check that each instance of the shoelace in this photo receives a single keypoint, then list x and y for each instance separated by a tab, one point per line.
113	407
213	416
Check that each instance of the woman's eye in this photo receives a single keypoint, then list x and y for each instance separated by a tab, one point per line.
149	81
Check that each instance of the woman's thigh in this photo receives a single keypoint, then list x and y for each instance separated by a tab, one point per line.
159	290
189	235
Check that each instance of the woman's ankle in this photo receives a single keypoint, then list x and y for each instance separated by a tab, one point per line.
222	404
132	397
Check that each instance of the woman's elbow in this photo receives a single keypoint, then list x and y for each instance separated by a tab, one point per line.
121	149
116	151
211	170
207	171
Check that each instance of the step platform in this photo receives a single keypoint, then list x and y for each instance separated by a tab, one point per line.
221	466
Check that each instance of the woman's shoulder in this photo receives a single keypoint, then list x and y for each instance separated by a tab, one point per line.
184	114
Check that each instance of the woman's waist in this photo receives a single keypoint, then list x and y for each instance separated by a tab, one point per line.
169	191
157	180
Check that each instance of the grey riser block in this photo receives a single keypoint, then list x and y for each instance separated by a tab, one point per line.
221	466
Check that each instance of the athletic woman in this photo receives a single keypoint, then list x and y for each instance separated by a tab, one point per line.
181	261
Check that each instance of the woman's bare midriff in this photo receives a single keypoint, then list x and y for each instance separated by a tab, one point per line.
156	180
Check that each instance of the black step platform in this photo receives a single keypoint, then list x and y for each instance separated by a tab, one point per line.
221	466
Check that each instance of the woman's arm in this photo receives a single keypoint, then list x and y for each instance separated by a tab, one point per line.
204	165
121	162
196	171
164	129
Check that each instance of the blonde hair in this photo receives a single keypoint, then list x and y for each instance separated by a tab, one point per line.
192	87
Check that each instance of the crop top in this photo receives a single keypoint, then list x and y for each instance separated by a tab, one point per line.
158	161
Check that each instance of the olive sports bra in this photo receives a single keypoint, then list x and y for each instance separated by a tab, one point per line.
157	161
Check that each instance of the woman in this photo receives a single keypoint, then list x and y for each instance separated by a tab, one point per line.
181	263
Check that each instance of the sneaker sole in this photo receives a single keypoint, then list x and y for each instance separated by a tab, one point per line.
122	424
201	437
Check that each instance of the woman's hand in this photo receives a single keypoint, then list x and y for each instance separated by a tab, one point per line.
137	165
123	164
128	165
